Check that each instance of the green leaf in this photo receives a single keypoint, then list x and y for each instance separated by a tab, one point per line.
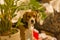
43	15
14	15
19	22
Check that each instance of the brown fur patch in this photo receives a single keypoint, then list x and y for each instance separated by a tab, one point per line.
28	15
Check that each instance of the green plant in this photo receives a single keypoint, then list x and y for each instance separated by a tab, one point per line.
7	13
19	22
34	5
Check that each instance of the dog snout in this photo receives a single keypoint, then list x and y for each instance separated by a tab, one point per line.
32	21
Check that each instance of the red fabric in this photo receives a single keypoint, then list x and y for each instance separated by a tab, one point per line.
35	35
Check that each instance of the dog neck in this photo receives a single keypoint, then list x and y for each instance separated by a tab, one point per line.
27	25
30	26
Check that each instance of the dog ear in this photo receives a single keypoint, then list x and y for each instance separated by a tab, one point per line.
25	16
36	15
25	20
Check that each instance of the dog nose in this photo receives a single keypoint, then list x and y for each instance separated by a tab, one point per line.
32	21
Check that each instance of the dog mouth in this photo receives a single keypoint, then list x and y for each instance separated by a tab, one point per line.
32	21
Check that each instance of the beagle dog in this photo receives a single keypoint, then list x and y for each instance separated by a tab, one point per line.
29	19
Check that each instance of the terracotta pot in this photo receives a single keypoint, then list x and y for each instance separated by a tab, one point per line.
15	36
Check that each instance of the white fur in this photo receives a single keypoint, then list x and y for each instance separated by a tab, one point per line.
29	23
29	31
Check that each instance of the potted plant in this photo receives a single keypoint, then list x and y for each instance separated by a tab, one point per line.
7	11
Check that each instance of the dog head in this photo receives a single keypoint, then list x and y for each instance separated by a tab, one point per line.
30	17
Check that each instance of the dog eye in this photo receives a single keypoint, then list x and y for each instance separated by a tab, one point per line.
28	16
33	15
